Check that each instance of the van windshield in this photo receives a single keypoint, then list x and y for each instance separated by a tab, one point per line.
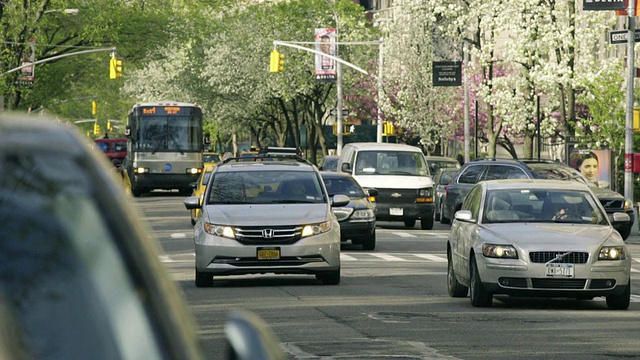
385	162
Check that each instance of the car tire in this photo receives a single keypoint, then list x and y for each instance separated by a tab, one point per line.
436	216
454	288
479	296
620	302
203	279
426	223
410	223
369	243
329	277
136	192
443	219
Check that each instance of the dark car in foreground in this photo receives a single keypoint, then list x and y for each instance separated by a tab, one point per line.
475	171
357	219
80	274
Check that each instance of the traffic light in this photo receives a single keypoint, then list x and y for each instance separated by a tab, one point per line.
636	119
96	128
388	128
94	108
276	61
109	127
115	68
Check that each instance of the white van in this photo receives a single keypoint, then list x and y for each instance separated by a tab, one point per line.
400	174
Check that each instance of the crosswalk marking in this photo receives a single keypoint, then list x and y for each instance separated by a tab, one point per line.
431	257
404	234
387	257
345	257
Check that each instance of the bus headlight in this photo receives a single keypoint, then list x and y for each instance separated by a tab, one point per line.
140	170
194	171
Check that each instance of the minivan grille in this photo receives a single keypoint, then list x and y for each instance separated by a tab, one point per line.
268	235
542	257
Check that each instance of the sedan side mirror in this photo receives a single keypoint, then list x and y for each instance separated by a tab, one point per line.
192	202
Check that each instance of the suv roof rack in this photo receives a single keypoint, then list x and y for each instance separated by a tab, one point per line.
272	153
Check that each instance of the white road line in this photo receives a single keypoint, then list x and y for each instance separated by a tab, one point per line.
636	260
634	270
387	257
345	257
430	257
635	298
404	234
178	236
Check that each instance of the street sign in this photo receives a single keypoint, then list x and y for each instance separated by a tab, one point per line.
334	112
447	73
603	4
622	36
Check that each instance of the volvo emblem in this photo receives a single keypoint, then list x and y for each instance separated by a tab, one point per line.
396	195
267	233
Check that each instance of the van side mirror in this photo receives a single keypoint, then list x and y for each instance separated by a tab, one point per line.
346	167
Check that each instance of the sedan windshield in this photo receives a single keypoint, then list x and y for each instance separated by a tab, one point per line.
542	205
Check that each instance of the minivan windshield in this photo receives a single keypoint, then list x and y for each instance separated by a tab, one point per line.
385	162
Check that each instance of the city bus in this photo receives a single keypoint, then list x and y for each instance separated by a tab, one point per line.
164	146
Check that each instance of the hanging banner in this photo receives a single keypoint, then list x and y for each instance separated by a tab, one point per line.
447	73
325	68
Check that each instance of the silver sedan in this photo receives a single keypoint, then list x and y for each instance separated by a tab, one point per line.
537	238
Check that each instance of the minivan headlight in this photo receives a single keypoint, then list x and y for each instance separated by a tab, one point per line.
315	229
220	230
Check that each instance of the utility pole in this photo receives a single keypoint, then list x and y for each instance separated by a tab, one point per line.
379	110
631	74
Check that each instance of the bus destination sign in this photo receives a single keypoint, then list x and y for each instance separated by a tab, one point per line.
166	110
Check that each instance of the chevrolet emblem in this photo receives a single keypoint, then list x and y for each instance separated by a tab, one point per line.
396	195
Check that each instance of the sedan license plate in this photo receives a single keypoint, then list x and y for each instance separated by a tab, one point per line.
268	253
560	270
395	211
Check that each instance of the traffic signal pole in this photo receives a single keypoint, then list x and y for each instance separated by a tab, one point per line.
58	57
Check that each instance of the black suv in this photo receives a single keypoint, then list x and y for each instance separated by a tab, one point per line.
492	169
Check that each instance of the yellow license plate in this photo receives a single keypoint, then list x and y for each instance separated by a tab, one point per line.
269	254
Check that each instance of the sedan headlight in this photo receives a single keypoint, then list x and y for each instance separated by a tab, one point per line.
499	251
220	230
315	229
612	253
628	205
366	214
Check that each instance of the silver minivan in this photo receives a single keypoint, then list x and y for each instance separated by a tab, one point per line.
268	215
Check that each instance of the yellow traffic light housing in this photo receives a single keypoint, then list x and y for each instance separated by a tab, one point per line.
109	127
388	128
115	68
94	108
636	119
96	128
276	61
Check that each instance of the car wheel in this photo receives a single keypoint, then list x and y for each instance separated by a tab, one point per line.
479	296
369	243
443	219
426	223
136	192
203	279
454	288
620	302
330	277
410	223
436	216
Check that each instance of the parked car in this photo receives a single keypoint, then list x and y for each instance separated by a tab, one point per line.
440	162
490	169
400	174
537	238
441	179
357	219
330	163
80	274
267	216
199	188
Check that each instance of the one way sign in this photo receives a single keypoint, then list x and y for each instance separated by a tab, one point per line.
622	36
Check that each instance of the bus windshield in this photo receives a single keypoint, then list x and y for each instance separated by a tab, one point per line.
168	133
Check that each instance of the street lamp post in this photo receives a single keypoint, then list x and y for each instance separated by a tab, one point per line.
338	85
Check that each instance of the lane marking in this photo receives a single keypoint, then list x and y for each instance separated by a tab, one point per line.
387	257
178	236
346	257
434	258
404	234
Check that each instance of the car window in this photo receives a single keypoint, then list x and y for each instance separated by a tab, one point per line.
63	277
265	187
346	186
498	172
472	201
471	174
445	177
211	158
